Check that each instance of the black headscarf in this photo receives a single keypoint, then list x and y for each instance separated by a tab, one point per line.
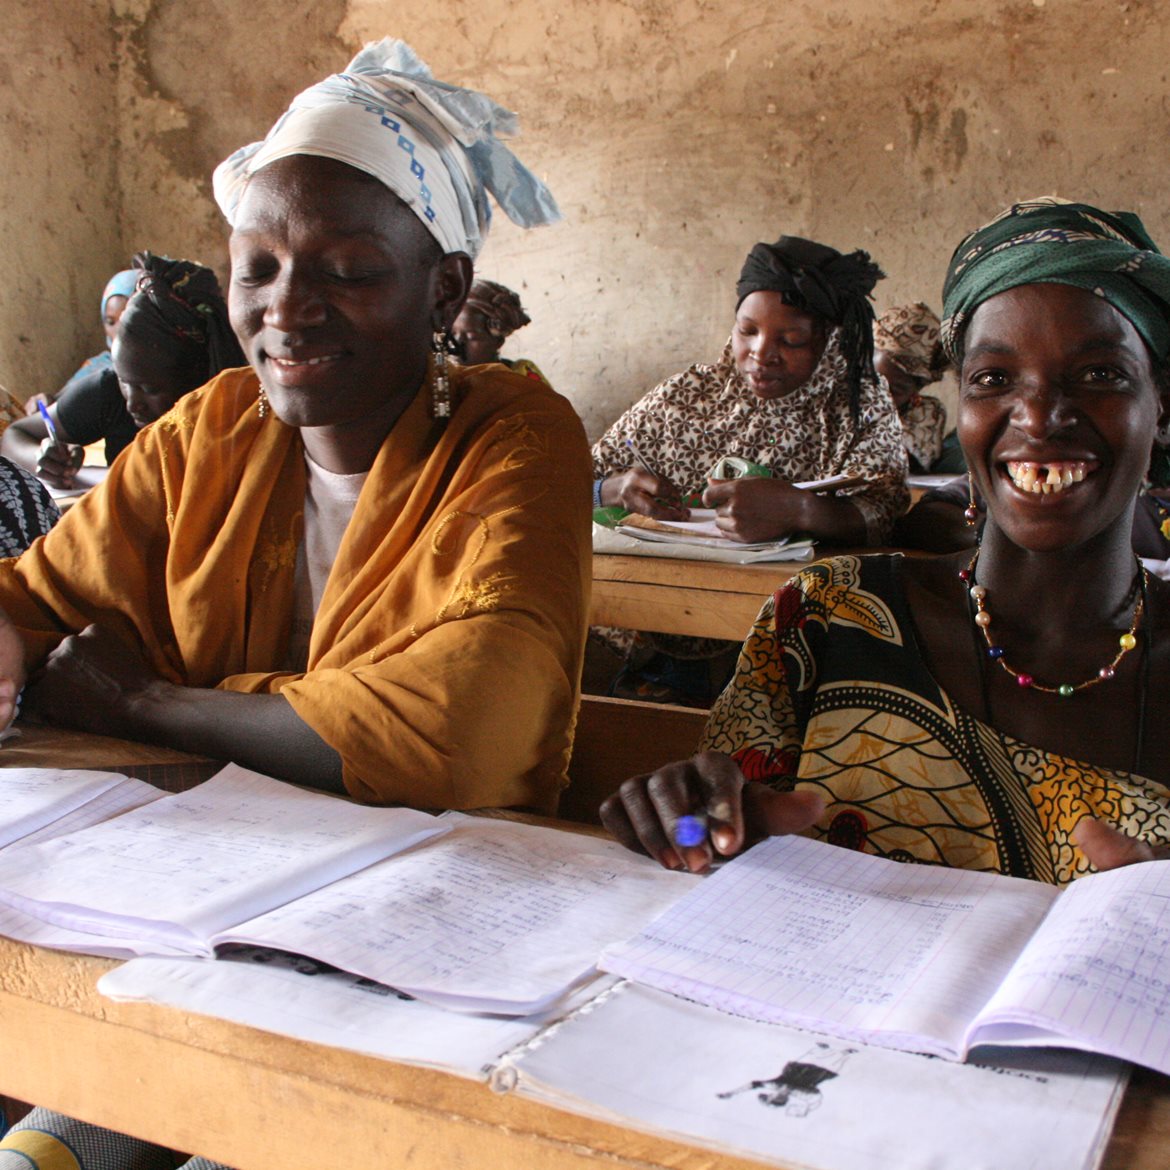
178	305
827	283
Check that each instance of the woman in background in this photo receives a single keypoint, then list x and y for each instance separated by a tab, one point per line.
490	315
173	335
26	509
1003	709
794	393
909	356
119	288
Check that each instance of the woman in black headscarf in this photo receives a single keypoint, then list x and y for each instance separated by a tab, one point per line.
173	336
794	392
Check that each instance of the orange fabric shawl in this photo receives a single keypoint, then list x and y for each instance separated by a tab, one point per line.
445	654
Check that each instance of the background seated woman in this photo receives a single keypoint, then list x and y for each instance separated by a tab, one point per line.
173	335
909	356
794	391
347	565
119	289
1004	710
490	315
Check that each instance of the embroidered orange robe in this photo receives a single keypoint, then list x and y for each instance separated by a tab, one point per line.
445	655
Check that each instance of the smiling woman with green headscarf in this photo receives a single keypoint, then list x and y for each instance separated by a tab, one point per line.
1005	710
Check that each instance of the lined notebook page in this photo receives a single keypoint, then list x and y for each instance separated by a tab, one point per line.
1098	970
801	932
31	798
198	861
495	916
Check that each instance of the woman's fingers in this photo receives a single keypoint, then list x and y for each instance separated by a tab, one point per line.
631	816
681	814
1108	848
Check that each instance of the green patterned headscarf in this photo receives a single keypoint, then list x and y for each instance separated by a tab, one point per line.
1052	241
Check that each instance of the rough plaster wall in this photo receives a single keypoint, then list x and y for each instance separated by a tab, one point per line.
58	205
675	133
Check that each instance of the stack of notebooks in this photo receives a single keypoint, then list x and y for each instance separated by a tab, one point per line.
802	1005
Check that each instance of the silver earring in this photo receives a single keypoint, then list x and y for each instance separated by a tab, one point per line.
262	403
440	381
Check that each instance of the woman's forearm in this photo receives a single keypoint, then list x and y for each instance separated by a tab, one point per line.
258	731
833	519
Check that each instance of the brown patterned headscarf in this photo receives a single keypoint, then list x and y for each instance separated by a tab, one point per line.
499	306
909	336
178	306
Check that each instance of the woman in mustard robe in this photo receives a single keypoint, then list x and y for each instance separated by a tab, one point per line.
350	565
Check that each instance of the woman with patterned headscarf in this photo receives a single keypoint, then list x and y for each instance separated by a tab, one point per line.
490	315
909	356
174	334
794	393
1005	709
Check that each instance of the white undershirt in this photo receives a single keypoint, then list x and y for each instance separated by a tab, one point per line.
329	503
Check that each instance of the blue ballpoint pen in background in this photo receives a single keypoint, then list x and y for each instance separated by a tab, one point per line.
48	422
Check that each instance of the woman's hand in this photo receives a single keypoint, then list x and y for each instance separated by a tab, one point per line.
1108	848
639	490
757	508
90	682
644	813
57	463
31	404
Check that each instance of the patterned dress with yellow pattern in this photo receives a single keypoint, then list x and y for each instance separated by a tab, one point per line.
832	692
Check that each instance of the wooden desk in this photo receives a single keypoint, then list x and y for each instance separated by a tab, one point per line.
701	598
256	1101
261	1102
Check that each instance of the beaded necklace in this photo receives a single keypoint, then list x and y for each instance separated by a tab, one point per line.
983	653
1127	641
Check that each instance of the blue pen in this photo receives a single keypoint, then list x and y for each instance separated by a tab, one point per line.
690	831
48	421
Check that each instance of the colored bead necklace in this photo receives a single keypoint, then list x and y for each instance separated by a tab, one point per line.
1126	642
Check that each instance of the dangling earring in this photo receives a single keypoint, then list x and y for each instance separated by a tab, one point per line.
440	383
971	511
262	402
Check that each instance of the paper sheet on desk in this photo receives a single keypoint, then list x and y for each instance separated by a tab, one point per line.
88	476
678	1069
292	996
697	548
493	916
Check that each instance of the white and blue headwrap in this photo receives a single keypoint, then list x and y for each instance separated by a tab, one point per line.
434	145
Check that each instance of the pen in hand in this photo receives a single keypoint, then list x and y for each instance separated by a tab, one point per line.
49	424
58	471
642	460
671	500
695	828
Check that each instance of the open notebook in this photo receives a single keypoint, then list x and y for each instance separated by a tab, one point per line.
473	913
920	958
